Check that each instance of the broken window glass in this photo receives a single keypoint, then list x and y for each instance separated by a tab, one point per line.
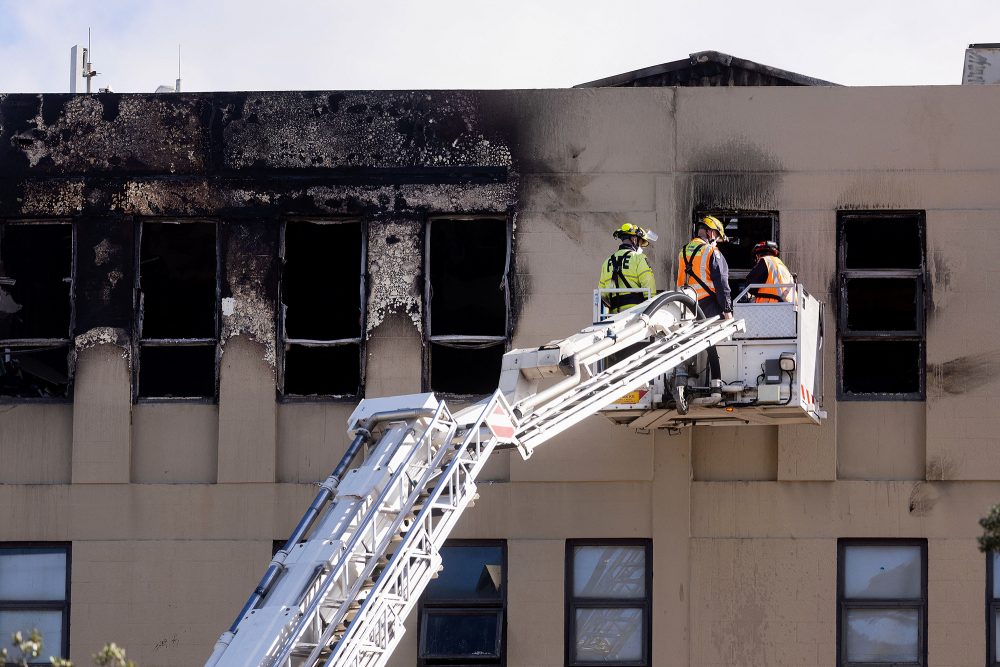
178	318
882	311
744	230
36	286
468	303
322	294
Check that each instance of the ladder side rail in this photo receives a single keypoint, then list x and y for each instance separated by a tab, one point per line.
535	430
370	521
421	544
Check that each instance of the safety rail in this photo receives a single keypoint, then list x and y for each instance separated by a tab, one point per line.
600	310
750	286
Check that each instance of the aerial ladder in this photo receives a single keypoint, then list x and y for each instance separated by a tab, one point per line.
338	592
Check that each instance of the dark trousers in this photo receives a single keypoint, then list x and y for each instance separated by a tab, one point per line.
711	308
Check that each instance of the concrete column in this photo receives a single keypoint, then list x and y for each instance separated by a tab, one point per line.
671	548
394	357
102	416
247	414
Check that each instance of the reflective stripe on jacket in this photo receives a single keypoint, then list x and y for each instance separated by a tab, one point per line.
633	272
777	274
693	267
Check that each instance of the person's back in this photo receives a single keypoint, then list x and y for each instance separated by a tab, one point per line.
777	282
703	268
628	268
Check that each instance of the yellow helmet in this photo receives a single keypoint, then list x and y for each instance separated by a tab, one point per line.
713	223
645	236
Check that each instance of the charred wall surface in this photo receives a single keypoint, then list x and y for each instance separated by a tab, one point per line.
247	163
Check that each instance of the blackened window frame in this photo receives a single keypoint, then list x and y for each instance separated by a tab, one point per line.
572	603
459	606
49	343
45	605
845	604
917	335
457	340
140	341
737	276
284	341
992	609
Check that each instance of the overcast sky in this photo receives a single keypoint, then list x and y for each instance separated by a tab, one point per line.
385	44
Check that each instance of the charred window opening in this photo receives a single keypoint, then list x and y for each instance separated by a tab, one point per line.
745	229
467	294
322	294
177	293
36	312
881	314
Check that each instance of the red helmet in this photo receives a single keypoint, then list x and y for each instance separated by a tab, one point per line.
765	248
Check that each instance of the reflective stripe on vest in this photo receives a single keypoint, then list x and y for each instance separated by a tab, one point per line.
698	255
777	274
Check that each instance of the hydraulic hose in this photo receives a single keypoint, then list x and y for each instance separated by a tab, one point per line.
669	297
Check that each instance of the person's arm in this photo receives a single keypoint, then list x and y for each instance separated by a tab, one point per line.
719	270
645	275
757	275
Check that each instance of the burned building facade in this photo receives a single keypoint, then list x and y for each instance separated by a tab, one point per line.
196	289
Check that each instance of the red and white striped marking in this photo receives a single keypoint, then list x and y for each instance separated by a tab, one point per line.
500	424
807	395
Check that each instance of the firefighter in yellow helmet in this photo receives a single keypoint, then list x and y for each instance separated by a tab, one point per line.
771	272
702	267
628	268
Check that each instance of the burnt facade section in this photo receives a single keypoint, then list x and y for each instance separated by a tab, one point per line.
186	220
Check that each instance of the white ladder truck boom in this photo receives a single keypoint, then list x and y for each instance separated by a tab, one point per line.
340	589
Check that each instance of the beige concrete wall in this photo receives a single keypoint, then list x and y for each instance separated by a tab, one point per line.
744	521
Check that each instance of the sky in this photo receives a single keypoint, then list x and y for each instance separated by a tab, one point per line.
442	44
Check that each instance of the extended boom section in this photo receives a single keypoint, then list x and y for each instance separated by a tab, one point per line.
340	589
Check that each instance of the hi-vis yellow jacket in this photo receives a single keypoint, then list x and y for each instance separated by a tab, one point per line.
777	274
626	269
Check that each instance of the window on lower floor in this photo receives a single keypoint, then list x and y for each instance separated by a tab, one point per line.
882	306
882	600
744	229
34	595
322	308
36	291
608	602
993	606
467	297
178	322
462	619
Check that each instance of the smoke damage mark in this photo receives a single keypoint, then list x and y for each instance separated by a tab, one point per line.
104	274
735	175
249	285
965	374
395	268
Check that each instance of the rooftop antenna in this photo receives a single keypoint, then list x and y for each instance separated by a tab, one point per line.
177	86
88	70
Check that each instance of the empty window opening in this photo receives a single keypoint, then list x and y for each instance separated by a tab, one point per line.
993	607
462	611
36	289
880	366
174	371
468	303
178	280
178	313
864	247
465	370
881	305
323	305
744	230
323	370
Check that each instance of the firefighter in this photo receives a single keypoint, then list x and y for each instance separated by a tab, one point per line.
702	267
627	268
772	272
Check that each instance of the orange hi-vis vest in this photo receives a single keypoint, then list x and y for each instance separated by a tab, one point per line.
777	274
693	268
